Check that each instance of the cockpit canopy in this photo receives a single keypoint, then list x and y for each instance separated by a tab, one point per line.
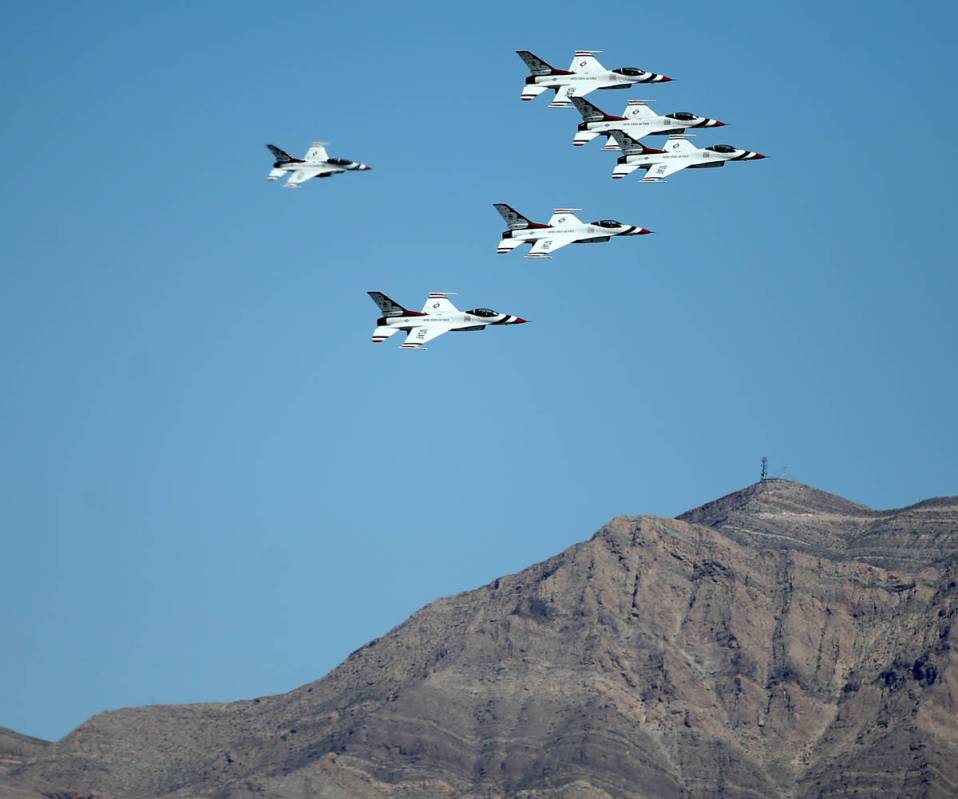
682	116
721	148
607	223
485	312
630	72
338	161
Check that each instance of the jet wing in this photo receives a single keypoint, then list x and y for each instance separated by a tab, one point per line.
585	61
317	152
561	100
543	248
438	305
302	175
418	336
659	172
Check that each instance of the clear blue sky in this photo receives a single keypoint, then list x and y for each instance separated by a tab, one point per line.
213	486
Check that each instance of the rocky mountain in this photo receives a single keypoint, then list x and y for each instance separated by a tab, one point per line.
779	641
17	749
778	514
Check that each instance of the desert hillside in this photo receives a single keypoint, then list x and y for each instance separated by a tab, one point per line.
779	641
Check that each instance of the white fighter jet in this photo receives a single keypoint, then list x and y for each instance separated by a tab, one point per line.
679	153
585	74
437	316
637	120
316	164
563	228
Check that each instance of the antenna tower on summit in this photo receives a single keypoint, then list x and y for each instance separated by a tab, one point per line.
764	469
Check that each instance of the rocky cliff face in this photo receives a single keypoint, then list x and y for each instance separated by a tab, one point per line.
777	642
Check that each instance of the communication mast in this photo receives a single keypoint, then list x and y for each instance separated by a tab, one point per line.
764	469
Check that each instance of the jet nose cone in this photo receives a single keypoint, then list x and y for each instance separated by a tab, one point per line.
663	79
756	156
519	321
715	123
365	167
644	231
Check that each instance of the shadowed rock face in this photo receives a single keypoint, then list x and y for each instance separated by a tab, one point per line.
777	642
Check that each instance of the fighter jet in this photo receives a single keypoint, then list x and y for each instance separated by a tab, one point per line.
316	164
637	120
562	229
679	153
437	316
585	74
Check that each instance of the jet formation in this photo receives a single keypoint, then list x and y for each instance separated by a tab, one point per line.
438	316
316	164
622	133
562	229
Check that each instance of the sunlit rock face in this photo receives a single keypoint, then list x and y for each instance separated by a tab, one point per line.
779	641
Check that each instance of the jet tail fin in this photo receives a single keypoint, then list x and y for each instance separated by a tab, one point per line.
281	156
389	307
512	217
630	146
589	111
536	65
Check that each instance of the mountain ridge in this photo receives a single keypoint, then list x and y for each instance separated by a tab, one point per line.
830	526
660	657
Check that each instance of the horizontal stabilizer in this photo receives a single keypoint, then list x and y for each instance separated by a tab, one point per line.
584	137
621	170
531	90
380	334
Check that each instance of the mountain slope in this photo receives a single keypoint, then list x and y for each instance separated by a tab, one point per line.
745	649
17	749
